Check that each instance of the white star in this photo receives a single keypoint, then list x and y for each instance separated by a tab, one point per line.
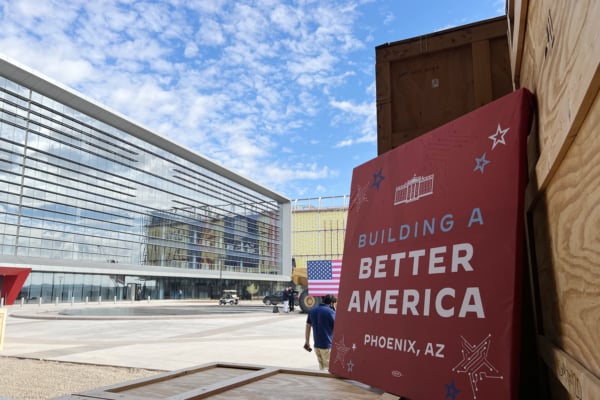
498	137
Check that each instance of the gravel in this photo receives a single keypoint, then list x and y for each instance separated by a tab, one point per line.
26	379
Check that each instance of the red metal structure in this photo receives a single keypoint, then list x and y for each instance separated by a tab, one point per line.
12	280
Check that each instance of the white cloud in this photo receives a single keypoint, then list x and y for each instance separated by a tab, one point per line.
283	173
205	7
319	189
318	63
235	80
388	18
287	19
364	113
191	50
210	33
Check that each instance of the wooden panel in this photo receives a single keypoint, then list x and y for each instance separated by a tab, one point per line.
384	105
561	55
3	314
425	82
577	381
566	223
430	90
555	53
173	384
235	381
482	72
295	386
443	40
517	21
500	67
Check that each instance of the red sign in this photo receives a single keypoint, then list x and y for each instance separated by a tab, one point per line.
429	295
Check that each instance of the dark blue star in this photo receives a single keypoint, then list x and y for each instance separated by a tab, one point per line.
451	391
377	178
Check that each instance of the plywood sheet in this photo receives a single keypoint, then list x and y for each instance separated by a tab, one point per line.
567	223
560	65
555	47
170	384
218	381
577	381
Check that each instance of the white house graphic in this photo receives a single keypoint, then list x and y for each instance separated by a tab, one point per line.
414	189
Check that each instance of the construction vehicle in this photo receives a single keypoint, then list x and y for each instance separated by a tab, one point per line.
306	301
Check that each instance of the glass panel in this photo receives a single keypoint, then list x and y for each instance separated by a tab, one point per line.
80	189
46	287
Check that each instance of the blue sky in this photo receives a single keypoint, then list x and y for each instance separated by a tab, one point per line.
281	92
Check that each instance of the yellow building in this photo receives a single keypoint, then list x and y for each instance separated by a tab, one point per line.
318	228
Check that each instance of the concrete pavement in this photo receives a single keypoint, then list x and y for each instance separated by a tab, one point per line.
249	334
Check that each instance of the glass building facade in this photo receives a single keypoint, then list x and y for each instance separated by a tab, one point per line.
100	207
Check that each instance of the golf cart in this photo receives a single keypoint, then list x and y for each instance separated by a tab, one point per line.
229	297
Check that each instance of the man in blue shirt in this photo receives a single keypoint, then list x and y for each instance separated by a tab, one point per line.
321	319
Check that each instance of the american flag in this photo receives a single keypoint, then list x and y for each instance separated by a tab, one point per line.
323	277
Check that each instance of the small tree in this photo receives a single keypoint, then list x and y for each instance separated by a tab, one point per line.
252	289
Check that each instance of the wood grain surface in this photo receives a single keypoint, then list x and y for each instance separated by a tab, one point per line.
217	381
561	55
567	242
425	82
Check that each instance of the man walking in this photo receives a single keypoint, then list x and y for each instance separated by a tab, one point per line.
321	319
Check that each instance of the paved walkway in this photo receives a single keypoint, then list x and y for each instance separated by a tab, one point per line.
249	333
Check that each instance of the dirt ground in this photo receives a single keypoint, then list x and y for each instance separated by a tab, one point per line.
25	379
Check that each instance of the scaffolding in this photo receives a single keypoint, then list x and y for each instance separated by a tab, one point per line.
319	228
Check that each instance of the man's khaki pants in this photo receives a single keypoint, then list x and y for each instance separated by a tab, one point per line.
323	357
